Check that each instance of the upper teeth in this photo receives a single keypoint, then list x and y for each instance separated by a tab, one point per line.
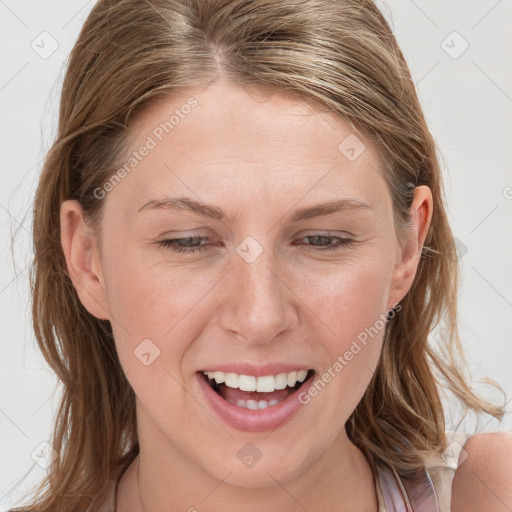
265	384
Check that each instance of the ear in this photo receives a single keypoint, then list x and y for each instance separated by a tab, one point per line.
82	259
408	256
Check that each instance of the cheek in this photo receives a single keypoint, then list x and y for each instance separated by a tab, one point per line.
147	296
151	311
351	304
349	297
157	312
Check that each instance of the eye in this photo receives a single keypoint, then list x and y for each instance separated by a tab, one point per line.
175	244
325	238
194	244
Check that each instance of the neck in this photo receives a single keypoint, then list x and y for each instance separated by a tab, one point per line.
340	479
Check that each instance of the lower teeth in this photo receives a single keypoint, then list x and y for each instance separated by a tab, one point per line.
253	404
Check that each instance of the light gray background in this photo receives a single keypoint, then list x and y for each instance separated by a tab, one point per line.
467	99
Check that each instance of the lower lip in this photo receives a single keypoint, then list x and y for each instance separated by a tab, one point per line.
248	420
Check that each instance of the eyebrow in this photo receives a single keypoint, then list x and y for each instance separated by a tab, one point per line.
214	212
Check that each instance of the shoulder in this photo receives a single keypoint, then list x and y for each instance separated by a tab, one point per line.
483	479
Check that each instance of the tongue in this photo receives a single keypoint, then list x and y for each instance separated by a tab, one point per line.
237	394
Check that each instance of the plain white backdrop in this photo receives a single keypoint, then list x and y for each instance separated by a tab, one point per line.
460	55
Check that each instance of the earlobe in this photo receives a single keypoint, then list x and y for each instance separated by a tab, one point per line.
82	259
409	255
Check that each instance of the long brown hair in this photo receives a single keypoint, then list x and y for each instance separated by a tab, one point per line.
340	54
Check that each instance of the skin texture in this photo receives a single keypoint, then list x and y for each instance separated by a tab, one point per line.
482	480
258	155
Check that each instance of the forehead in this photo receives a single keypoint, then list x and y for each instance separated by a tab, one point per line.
225	138
288	124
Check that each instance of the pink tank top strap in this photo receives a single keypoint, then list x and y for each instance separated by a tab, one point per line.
432	492
400	495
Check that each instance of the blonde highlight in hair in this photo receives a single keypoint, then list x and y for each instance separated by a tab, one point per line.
339	54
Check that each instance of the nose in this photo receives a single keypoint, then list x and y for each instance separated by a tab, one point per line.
259	304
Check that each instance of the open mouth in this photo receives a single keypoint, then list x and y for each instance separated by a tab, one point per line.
277	389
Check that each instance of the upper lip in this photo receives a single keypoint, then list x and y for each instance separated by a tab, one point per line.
256	371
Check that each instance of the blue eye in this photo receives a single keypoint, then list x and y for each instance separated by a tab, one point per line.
193	244
173	244
340	241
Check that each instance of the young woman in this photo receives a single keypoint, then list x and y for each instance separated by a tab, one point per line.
241	248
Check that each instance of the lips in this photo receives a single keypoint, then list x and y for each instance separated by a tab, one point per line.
254	411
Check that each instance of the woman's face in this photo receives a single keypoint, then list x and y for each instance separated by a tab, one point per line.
270	287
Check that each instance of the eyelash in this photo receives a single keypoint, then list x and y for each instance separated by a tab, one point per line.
171	243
